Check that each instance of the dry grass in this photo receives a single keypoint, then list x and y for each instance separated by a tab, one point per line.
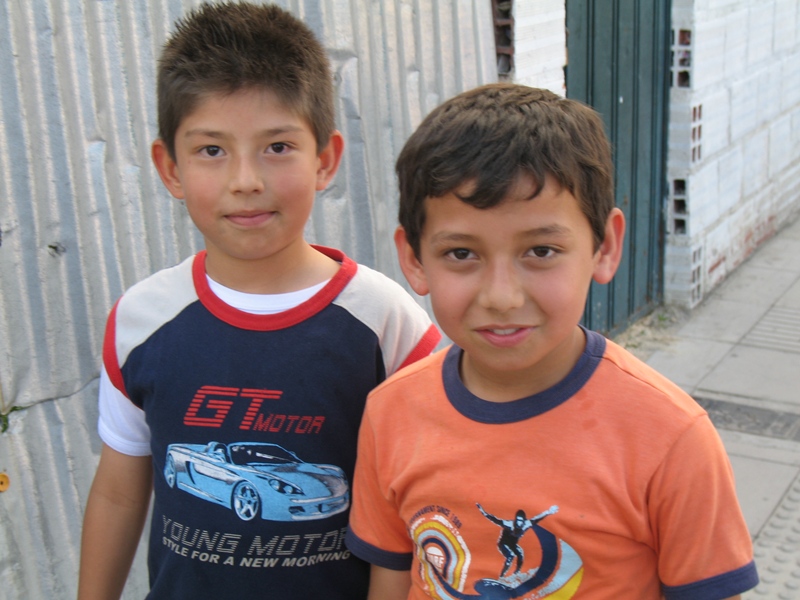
653	331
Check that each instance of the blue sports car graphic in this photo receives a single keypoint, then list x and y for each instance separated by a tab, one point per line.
255	479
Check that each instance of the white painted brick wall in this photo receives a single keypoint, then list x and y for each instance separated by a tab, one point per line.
677	276
730	179
785	25
788	188
703	183
796	131
742	169
760	31
540	43
780	138
685	263
746	75
769	91
735	43
709	51
716	120
790	81
744	106
755	163
716	266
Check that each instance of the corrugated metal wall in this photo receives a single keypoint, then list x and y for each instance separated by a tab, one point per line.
83	214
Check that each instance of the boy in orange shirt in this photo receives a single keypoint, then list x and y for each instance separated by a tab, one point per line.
507	215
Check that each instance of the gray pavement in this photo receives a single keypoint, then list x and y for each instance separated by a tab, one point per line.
738	354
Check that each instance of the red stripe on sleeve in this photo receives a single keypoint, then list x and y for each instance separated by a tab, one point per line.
426	345
110	352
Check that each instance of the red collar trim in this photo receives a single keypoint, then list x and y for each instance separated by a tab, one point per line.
293	316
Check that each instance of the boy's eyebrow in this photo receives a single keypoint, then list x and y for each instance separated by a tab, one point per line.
451	237
272	131
554	229
455	236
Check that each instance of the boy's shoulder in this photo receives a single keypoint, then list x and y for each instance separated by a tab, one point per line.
630	367
377	286
639	383
166	291
403	327
617	379
379	300
423	375
356	288
145	307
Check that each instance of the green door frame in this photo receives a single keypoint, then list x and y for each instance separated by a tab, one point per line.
619	64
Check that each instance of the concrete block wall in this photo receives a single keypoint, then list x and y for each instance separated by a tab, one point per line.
540	44
734	136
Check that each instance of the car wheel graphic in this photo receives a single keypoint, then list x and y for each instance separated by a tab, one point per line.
169	472
245	501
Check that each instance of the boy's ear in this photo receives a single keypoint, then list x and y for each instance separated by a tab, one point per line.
410	264
609	254
329	160
167	168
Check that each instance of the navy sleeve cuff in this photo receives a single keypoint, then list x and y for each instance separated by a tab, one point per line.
396	561
716	588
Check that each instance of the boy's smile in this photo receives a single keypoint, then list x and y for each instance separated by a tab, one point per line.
508	284
248	170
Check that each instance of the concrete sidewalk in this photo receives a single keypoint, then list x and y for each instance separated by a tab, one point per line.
738	354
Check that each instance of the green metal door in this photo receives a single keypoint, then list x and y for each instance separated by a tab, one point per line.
619	64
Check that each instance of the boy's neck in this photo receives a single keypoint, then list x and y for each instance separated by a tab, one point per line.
294	268
507	386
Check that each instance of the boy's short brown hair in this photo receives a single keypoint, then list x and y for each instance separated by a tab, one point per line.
223	48
488	136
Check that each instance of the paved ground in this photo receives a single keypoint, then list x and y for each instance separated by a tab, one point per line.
738	354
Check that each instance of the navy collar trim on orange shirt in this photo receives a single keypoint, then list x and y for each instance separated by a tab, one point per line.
483	411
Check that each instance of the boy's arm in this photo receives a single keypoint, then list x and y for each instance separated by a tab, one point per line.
693	491
115	513
387	584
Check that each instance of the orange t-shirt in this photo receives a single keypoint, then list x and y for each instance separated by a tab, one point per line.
611	484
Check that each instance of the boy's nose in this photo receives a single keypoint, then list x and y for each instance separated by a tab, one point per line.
246	177
502	289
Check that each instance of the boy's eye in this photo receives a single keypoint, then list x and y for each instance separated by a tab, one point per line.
542	251
212	150
460	253
279	148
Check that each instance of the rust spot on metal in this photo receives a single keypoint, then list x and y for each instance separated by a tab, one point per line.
56	249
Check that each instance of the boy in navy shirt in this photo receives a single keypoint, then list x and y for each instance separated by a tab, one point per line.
233	384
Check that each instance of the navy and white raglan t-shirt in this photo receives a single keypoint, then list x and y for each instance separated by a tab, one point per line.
252	422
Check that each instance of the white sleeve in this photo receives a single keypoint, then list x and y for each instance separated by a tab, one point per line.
121	424
404	329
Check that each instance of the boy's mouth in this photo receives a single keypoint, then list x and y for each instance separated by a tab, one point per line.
250	219
504	336
505	331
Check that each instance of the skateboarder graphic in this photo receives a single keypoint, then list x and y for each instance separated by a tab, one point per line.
512	531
